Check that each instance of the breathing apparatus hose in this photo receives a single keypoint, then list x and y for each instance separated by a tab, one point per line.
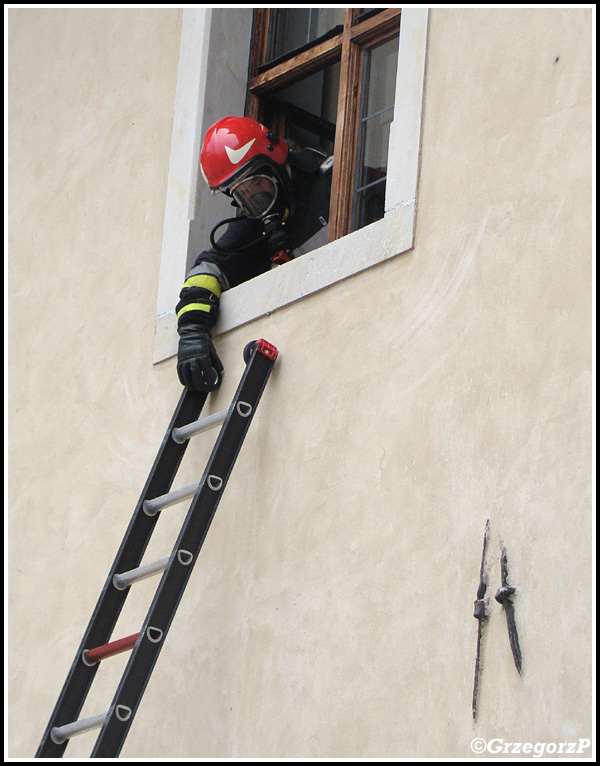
232	220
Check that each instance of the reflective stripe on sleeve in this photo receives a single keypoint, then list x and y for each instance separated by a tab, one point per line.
205	281
195	307
205	267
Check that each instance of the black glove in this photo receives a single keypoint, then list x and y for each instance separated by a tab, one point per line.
198	365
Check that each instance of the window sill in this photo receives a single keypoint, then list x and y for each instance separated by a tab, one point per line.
360	250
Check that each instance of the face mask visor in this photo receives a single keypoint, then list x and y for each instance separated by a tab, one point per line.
256	195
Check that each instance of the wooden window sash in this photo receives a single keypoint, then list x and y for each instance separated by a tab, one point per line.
316	58
296	68
387	19
345	134
356	39
348	48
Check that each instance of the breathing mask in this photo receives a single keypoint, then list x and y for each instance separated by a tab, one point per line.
261	197
256	195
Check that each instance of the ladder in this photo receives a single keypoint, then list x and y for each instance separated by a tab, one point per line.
176	568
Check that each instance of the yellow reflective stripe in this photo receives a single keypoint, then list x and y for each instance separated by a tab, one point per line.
206	281
194	307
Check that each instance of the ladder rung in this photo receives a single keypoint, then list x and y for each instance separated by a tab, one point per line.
183	433
92	656
151	507
60	734
125	579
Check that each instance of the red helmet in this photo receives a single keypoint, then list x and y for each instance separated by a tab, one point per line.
235	146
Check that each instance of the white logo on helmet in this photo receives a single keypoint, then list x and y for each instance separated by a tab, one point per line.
237	155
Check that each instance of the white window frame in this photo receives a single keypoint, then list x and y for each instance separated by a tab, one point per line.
191	212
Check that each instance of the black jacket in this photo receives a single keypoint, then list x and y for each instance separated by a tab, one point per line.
229	265
311	189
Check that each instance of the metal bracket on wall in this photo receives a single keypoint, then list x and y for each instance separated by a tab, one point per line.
480	615
503	597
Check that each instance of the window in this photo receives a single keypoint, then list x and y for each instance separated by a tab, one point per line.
296	28
376	113
326	78
295	69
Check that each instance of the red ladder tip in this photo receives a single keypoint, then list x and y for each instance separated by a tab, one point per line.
267	349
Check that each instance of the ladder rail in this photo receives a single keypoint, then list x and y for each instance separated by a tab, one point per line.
111	600
190	540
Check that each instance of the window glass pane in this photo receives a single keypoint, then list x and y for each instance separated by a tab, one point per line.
377	112
366	13
294	27
310	109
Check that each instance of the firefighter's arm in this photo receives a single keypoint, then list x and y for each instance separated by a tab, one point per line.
198	365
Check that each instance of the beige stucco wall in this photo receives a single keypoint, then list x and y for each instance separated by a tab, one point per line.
330	614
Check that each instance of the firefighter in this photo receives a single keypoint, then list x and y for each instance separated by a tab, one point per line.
281	193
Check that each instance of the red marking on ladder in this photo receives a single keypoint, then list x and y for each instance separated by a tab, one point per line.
92	656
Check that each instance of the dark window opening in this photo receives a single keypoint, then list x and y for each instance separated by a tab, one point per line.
291	29
306	111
